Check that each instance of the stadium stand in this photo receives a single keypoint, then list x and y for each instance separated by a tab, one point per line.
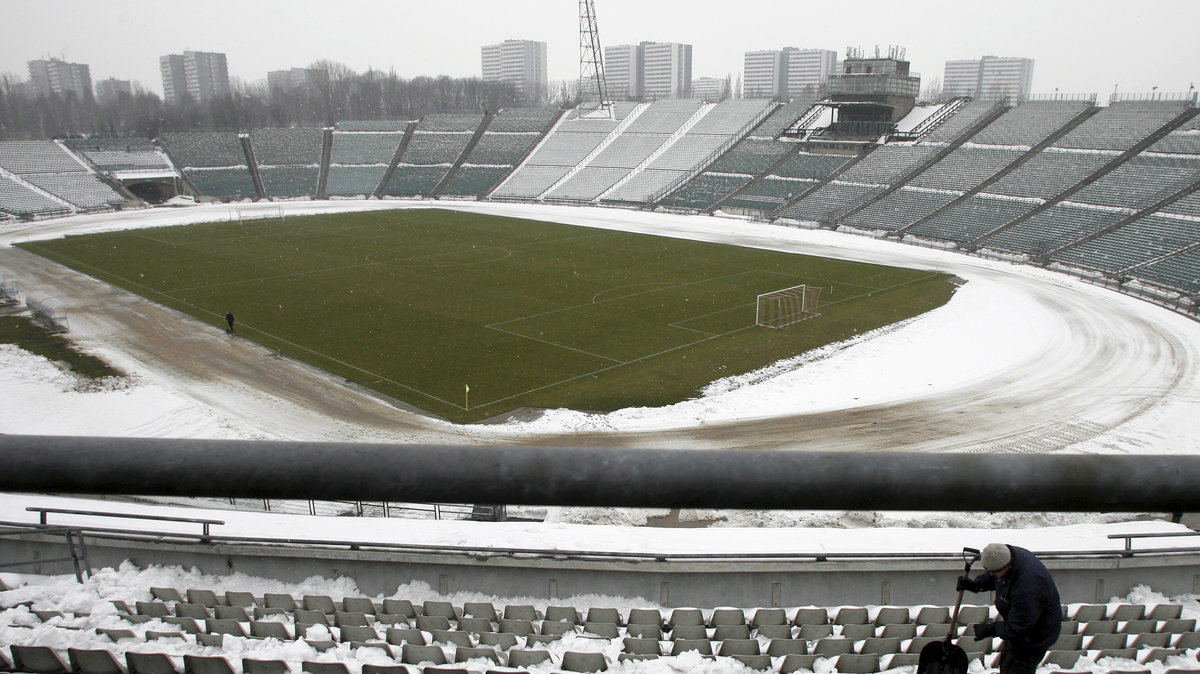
1029	123
47	168
20	200
437	143
288	160
359	159
213	162
1122	124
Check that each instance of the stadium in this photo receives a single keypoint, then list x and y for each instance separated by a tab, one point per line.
269	513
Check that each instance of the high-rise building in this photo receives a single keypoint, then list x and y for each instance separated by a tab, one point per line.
711	89
807	70
292	79
623	71
763	74
55	76
787	72
521	63
112	88
990	77
666	70
200	75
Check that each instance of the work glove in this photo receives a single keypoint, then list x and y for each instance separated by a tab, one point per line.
984	631
965	584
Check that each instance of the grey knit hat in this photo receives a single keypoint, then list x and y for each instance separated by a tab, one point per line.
996	556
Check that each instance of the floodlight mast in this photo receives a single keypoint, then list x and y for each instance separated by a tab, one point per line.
593	90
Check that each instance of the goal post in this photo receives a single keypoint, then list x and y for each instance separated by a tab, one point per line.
782	308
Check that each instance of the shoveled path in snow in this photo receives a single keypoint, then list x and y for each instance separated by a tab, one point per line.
1087	369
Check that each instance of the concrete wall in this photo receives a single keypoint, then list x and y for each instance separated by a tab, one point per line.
701	584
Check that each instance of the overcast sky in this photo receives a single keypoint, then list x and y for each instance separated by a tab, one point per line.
1079	45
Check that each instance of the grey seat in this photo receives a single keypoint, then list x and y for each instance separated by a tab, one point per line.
1068	642
815	632
237	613
312	667
37	660
858	663
755	662
903	631
149	663
973	614
641	631
722	632
519	627
412	654
255	666
603	630
727	616
502	640
795	662
881	645
773	631
603	615
320	602
852	615
1106	641
1161	654
1100	627
892	615
686	616
310	616
919	643
1122	653
243	599
575	661
116	634
465	653
930	615
404	635
1178	625
833	646
519	657
99	661
768	616
681	646
641	646
480	609
156	609
402	607
456	637
154	635
166	594
936	630
645	616
780	647
369	668
269	629
1188	640
285	602
1139	626
204	597
358	633
858	631
1151	640
689	632
197	611
430	623
730	647
1063	659
1127	612
206	664
810	616
1165	612
358	605
568	614
188	625
439	608
350	619
520	612
1089	612
556	627
230	627
475	625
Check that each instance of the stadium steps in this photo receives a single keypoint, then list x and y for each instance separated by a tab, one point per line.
770	170
462	157
608	140
1046	142
326	153
900	181
391	169
1133	217
1120	159
252	163
675	136
828	179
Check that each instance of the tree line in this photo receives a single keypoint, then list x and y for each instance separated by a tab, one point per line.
334	93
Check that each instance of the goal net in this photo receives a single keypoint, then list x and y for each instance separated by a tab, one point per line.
782	308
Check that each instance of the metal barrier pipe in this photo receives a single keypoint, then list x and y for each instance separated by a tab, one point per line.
610	477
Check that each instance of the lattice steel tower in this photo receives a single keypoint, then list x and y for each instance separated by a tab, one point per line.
593	91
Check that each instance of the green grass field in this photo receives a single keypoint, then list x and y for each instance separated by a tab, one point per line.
421	304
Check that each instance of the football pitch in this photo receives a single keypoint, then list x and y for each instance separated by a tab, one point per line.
469	316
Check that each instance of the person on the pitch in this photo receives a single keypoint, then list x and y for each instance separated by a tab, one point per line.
1027	600
229	320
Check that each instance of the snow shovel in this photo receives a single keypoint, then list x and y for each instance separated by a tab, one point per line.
947	657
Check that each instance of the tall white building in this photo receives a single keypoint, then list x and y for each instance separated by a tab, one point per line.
763	74
292	79
201	75
666	70
623	71
711	89
521	63
990	77
112	89
55	76
787	72
806	70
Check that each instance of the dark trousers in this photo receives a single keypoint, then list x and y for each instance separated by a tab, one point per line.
1019	663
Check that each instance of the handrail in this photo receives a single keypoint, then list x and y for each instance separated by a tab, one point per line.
1129	551
478	551
74	542
206	523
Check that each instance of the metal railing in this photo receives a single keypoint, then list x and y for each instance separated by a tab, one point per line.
77	552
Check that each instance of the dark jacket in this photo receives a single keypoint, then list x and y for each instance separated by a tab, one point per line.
1027	600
